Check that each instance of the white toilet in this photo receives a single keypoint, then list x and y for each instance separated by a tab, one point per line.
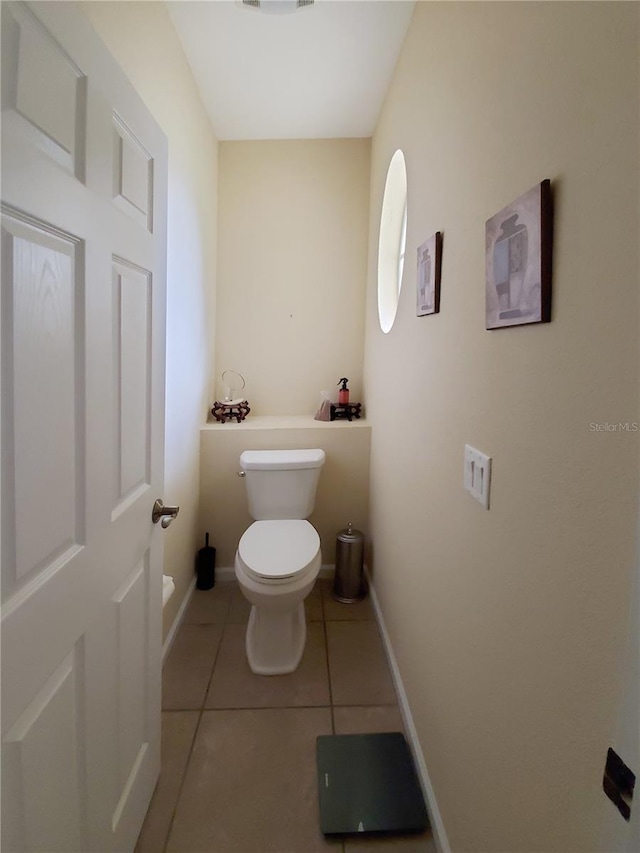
278	556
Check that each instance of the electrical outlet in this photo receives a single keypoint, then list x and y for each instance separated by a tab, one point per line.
477	474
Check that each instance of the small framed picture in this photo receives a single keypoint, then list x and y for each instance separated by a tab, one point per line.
518	245
429	267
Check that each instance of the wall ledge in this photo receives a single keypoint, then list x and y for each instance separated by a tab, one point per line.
259	422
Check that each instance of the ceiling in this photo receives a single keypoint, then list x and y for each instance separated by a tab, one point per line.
320	72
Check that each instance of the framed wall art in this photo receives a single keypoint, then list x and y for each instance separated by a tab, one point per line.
518	246
429	268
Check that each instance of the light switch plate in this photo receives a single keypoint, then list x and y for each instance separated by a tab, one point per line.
477	474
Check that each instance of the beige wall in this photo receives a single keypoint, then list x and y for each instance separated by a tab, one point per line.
618	834
292	269
508	624
343	490
143	41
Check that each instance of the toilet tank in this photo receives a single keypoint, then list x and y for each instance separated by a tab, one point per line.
281	483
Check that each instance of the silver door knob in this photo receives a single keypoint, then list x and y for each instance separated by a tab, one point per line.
166	513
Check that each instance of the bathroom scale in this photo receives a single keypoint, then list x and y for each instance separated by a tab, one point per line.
367	783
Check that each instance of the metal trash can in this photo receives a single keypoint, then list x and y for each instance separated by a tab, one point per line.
348	584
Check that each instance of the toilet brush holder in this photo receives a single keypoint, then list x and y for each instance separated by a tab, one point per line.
206	566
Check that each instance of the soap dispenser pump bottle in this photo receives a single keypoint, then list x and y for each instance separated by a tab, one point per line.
343	393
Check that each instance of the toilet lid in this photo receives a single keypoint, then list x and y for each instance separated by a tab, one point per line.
276	550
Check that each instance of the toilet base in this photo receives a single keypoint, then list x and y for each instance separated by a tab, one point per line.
277	629
275	640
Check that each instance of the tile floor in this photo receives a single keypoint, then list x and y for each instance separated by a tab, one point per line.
238	749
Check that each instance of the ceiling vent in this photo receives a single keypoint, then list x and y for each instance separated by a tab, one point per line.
277	7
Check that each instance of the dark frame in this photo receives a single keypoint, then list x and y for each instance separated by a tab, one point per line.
429	261
518	256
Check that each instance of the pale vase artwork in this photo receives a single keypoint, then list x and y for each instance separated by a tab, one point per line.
429	265
518	261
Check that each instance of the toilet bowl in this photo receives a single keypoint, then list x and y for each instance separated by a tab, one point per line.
278	557
276	565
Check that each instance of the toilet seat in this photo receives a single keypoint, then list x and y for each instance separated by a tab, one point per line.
277	551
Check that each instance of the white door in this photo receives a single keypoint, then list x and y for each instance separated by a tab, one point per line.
83	318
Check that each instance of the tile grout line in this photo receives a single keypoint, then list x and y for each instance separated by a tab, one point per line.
195	734
281	707
215	657
272	708
181	786
326	652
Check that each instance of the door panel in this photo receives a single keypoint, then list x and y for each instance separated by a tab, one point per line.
133	175
44	308
43	90
131	604
83	318
132	322
51	770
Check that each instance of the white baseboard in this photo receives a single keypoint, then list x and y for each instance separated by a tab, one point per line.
435	818
327	571
225	573
166	646
228	573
